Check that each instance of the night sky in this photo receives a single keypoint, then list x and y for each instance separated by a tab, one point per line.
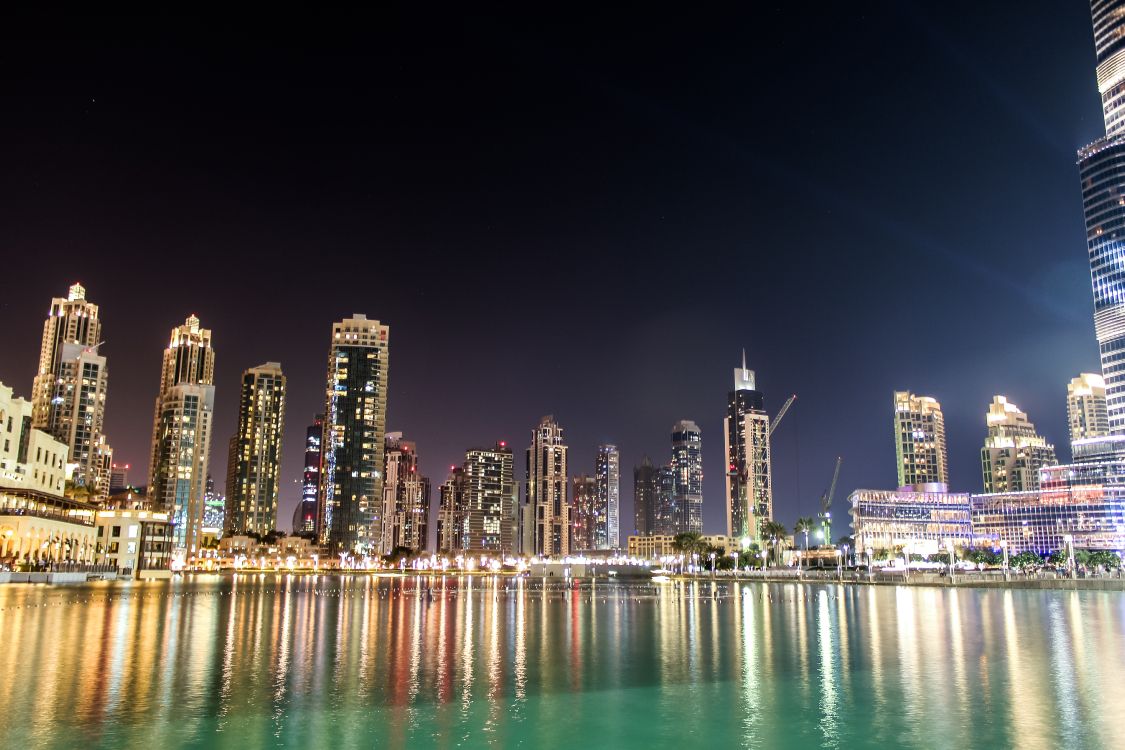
583	216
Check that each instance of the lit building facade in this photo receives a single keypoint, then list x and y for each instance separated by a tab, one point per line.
607	471
350	496
669	515
646	497
687	469
1013	452
746	435
584	513
1083	500
136	542
406	497
662	545
1086	407
546	489
254	462
304	515
30	458
69	392
214	511
1101	166
118	477
918	522
920	440
181	434
488	500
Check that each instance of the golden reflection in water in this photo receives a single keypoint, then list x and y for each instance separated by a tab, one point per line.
829	697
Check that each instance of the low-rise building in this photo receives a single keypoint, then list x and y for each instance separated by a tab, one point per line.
659	545
137	542
919	519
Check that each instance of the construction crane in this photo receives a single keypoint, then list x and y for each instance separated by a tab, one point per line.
781	414
826	503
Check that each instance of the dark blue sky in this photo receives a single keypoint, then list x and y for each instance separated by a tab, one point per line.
584	216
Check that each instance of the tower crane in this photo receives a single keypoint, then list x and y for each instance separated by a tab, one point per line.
781	414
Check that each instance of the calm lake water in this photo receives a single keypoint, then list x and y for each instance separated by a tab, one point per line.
299	661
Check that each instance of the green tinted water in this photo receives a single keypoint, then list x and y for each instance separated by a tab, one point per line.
275	661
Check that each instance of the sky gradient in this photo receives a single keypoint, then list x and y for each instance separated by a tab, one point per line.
588	218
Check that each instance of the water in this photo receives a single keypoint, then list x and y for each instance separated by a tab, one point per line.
289	661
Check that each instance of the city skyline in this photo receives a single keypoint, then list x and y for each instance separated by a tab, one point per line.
1030	273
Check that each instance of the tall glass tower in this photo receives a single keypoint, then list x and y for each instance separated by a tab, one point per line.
1102	169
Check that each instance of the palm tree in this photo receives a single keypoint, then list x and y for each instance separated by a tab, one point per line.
775	532
688	542
804	525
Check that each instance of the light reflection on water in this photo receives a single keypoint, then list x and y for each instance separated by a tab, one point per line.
266	661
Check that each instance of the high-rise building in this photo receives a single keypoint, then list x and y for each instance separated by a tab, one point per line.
669	515
489	500
304	515
584	513
351	483
746	433
646	498
69	393
1086	407
1101	166
546	489
254	461
30	459
920	441
451	531
214	510
118	477
1013	452
181	434
607	471
406	497
687	465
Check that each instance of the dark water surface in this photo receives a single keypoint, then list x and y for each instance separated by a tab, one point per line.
254	661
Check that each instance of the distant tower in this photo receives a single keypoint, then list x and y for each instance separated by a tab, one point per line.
304	515
181	433
1013	452
69	393
920	440
451	531
668	515
406	497
1086	407
607	471
546	489
1101	166
687	468
254	463
645	498
489	500
350	496
746	433
584	513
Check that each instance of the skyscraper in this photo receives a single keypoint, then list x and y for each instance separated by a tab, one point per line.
668	516
746	435
305	519
406	497
607	471
687	468
546	489
254	462
451	530
1086	407
489	500
584	513
69	393
355	412
646	498
920	440
1101	166
181	433
1013	452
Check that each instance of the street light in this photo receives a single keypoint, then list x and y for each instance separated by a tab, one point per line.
1070	561
1004	548
949	548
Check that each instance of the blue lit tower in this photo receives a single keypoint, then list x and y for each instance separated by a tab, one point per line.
1102	168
